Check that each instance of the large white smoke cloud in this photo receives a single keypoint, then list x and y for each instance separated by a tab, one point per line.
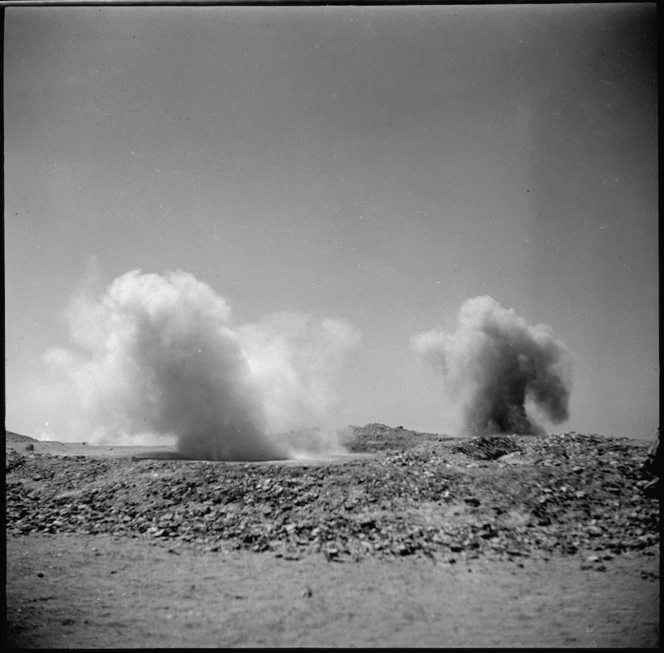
495	363
295	362
157	361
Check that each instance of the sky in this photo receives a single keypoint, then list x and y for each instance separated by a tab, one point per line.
375	165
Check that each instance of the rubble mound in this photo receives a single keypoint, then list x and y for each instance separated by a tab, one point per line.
377	437
420	494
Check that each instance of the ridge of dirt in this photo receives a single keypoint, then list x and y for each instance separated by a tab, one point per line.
17	438
419	494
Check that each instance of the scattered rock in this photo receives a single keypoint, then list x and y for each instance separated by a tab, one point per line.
489	447
416	496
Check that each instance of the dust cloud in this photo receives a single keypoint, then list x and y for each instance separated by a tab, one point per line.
495	365
155	359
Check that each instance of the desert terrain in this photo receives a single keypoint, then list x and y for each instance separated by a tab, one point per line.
411	539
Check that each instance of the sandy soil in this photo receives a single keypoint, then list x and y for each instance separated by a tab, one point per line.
107	592
20	443
66	591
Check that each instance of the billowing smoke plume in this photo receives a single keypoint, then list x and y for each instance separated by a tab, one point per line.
294	361
158	361
495	363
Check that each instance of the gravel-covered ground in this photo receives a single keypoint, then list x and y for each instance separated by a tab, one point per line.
494	541
421	494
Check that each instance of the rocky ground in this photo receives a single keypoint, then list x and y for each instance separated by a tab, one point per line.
416	496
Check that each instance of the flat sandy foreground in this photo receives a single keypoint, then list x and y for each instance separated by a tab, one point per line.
106	591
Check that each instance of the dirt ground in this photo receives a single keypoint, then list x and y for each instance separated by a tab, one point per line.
102	591
19	443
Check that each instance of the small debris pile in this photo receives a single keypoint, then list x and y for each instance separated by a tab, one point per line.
653	467
377	437
420	494
486	447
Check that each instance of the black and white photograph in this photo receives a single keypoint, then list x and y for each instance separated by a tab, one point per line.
331	324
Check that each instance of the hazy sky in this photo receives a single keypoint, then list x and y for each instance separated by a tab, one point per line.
379	165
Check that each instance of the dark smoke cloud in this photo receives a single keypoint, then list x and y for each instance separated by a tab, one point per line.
495	363
158	361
